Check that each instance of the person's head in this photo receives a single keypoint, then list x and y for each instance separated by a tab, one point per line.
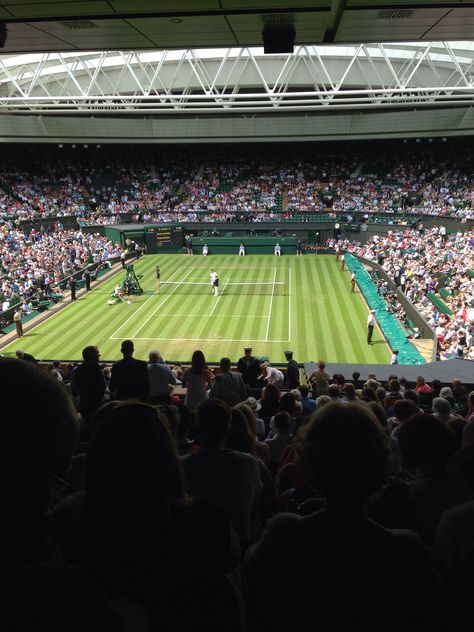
356	376
289	355
296	394
322	400
420	381
333	391
303	389
171	414
339	379
380	393
372	383
154	357
281	423
441	408
445	391
271	394
38	433
412	395
349	391
470	400
403	409
322	365
426	443
225	365
127	348
133	462
198	362
212	422
239	436
287	403
91	354
248	351
344	454
253	404
20	354
368	394
379	411
250	417
394	386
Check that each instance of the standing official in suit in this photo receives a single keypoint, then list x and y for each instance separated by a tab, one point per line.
129	377
249	368
292	379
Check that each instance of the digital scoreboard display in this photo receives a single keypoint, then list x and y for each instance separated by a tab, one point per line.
160	237
352	227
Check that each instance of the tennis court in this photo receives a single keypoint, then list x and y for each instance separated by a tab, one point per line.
272	304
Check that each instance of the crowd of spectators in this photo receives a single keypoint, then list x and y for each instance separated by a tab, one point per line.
247	511
251	183
422	263
33	265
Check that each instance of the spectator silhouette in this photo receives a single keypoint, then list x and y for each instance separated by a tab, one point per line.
37	438
353	562
136	529
129	378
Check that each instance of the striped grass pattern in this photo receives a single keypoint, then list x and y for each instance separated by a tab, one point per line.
272	304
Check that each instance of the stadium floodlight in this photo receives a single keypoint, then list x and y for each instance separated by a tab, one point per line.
3	34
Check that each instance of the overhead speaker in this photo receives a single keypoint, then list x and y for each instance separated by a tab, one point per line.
278	38
3	34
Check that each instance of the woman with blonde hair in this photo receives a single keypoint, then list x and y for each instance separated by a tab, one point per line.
320	379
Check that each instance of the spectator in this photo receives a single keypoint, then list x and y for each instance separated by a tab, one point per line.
129	377
230	478
160	378
197	380
343	454
228	385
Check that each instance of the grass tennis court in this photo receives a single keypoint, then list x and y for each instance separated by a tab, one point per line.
272	304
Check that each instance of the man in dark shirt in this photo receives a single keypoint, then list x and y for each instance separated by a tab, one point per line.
249	368
292	378
72	288
129	377
228	386
88	385
87	279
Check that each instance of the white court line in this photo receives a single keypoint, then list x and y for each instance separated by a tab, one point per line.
219	298
136	311
160	305
206	339
289	305
230	267
271	304
173	315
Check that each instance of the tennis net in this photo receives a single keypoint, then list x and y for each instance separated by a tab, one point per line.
246	288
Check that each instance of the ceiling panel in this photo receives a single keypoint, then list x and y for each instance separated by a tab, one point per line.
227	23
385	4
45	9
165	6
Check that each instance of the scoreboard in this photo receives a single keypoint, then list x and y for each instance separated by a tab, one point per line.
355	228
165	237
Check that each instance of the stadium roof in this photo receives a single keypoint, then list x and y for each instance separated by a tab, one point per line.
240	80
42	25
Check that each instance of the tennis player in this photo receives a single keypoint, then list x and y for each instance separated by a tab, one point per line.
242	250
213	275
158	278
216	284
